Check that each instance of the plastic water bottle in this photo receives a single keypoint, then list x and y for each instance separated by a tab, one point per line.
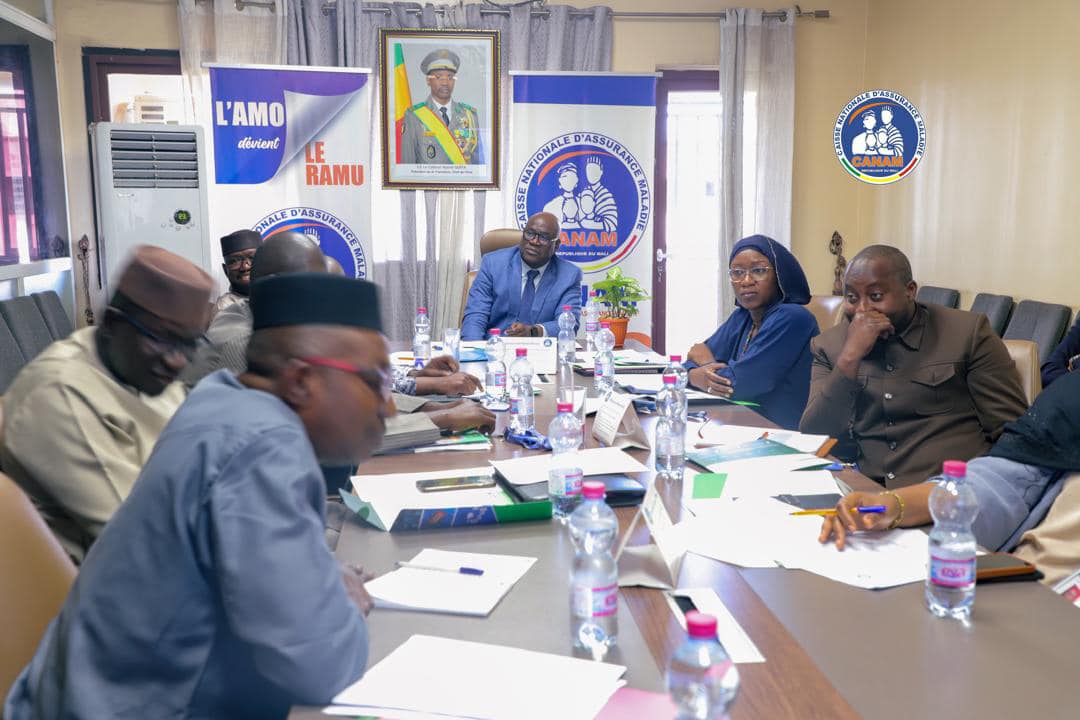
670	433
564	477
594	580
567	347
591	314
604	363
495	375
521	393
675	367
421	343
701	678
950	582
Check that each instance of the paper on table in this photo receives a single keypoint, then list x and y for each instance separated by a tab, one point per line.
594	461
742	484
715	433
449	592
388	495
740	648
483	681
362	711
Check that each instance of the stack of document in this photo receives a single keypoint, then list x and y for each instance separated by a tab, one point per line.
408	431
485	682
458	583
594	461
761	532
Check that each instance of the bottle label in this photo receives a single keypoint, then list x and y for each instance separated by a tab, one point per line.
571	481
952	573
594	602
592	327
598	371
498	379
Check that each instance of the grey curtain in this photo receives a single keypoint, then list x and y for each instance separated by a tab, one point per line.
564	39
757	86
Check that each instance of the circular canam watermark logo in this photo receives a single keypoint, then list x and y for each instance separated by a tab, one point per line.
598	191
334	237
879	137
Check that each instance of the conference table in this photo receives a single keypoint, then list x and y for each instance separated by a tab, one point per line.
831	650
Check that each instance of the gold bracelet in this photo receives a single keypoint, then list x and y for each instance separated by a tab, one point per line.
899	518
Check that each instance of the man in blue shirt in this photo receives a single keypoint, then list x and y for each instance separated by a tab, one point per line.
211	593
522	290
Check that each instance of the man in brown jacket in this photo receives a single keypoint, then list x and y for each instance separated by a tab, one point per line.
905	386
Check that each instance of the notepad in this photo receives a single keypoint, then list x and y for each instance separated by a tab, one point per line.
449	592
486	682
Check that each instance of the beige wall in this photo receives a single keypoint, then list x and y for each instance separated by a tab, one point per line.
991	207
97	23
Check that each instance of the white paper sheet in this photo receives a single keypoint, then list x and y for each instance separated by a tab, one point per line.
483	681
448	592
354	711
760	485
738	645
594	461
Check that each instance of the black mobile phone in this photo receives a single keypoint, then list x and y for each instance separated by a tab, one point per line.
1002	567
684	603
456	483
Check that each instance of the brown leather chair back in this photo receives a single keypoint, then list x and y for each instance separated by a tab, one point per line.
1025	354
498	239
470	278
35	576
827	310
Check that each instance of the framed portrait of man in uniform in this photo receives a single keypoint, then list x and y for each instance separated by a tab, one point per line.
440	108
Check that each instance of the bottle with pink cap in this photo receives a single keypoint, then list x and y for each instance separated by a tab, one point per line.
670	432
594	579
701	678
564	475
604	361
950	578
421	344
495	374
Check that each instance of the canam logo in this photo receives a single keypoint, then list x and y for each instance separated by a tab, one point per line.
879	137
334	237
596	189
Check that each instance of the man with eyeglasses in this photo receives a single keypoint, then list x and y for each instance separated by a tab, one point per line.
237	253
904	385
212	593
521	290
81	418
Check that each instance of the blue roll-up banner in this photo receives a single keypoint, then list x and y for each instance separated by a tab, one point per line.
291	152
583	149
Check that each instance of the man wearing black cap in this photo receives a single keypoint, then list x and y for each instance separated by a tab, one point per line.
441	130
237	251
212	593
81	418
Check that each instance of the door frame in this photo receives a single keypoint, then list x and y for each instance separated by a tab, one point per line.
670	81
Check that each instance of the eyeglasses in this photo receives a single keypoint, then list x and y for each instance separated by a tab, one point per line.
163	345
235	261
529	234
758	272
380	381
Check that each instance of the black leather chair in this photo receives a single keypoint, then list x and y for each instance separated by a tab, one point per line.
996	308
11	357
56	319
27	325
938	296
1042	323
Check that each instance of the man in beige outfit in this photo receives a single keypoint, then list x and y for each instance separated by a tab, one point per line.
81	418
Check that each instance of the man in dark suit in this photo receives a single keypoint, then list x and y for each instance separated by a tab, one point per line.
905	386
522	290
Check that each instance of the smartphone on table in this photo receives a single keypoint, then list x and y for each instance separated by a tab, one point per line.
1002	567
471	482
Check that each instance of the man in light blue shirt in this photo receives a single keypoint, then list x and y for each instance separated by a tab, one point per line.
211	593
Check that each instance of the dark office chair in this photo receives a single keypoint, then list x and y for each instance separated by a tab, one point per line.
11	357
1042	323
27	325
996	308
52	311
938	296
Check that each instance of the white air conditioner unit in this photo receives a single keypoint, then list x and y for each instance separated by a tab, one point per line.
150	186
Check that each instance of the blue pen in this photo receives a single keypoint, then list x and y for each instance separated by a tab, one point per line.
461	570
838	466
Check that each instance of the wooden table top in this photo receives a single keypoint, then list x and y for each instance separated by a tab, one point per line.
799	622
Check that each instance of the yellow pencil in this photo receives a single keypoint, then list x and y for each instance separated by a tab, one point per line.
829	512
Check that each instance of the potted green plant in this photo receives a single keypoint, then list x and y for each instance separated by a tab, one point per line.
620	292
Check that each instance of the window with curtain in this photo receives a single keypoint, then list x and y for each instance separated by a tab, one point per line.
18	159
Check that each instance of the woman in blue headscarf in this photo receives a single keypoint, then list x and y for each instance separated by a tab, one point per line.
761	353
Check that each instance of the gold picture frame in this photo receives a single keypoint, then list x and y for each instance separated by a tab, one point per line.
440	110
